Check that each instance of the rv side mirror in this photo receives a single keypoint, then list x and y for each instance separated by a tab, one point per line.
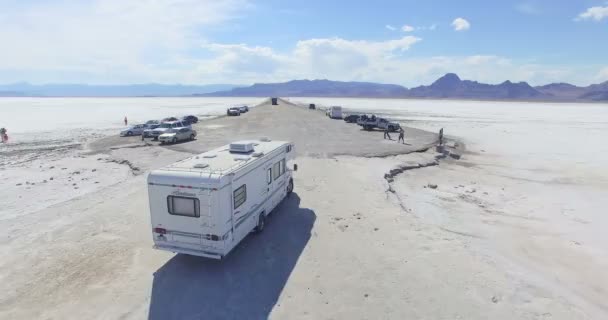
295	167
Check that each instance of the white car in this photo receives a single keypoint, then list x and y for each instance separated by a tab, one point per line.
233	112
167	127
133	130
179	134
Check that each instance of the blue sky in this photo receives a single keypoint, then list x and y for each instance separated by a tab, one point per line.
242	42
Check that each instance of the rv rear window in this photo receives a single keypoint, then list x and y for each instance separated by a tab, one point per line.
182	206
240	196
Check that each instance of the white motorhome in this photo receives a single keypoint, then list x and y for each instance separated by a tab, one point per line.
205	205
335	112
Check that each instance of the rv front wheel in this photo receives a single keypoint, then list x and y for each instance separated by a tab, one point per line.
261	223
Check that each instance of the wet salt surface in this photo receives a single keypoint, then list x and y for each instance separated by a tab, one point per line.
42	126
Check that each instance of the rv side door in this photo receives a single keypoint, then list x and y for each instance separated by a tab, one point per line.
269	183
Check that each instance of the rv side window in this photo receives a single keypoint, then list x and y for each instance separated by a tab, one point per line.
269	176
276	170
240	196
282	166
182	206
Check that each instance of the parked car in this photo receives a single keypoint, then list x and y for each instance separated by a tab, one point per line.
373	122
244	109
179	134
191	119
233	112
352	118
134	130
334	112
149	128
169	119
166	127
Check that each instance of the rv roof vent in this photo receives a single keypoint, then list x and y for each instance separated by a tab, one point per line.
241	147
257	154
209	156
241	158
265	139
201	165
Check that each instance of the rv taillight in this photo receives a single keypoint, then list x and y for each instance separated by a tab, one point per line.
160	230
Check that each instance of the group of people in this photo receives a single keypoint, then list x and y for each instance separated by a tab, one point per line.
401	135
3	135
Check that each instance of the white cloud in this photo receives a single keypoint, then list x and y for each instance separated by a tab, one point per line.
331	58
602	75
106	40
594	13
461	24
528	8
407	28
389	27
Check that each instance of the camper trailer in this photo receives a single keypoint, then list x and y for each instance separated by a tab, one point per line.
205	205
335	112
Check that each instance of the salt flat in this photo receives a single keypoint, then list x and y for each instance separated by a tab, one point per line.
509	232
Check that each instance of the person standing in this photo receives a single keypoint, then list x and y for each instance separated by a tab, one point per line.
401	135
126	122
386	134
441	136
3	134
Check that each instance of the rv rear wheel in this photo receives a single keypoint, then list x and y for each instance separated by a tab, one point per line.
261	223
290	187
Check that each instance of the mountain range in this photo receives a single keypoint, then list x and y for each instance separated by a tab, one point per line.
449	86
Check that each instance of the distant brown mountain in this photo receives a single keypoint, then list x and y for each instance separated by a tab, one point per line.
450	86
316	88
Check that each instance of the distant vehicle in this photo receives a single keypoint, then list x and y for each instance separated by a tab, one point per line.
334	112
148	129
179	134
274	101
312	106
134	130
191	119
352	118
151	122
169	119
167	127
205	205
373	122
233	112
244	109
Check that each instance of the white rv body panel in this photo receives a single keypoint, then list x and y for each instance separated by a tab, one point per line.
205	205
335	112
